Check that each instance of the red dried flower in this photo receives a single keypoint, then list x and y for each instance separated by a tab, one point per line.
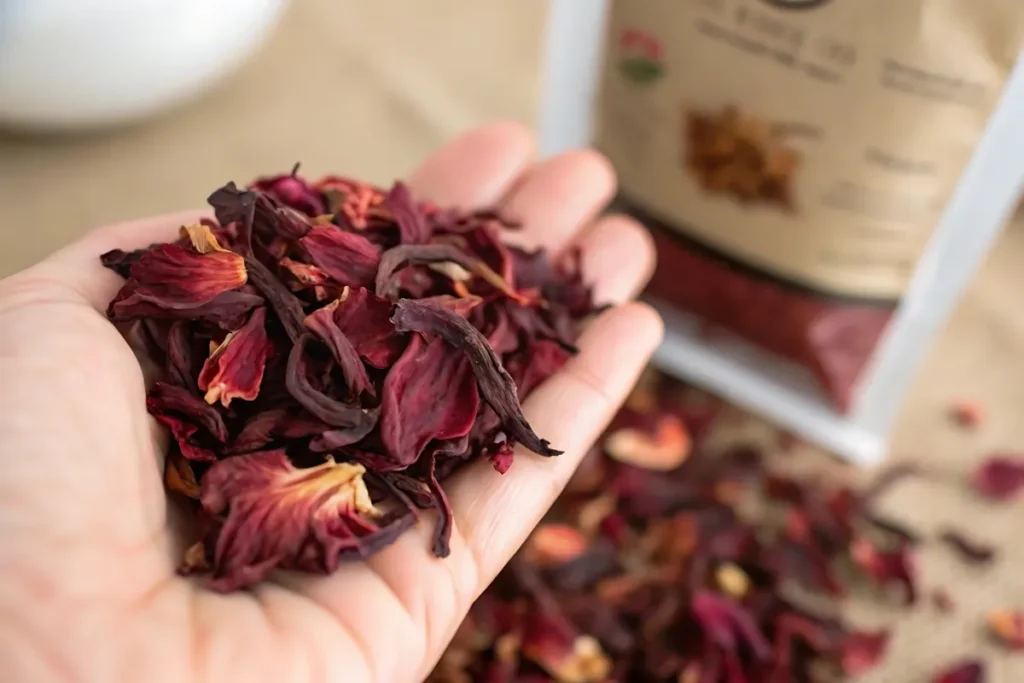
887	567
969	671
269	312
236	365
1000	477
271	514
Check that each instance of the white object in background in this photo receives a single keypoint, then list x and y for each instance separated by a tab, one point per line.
67	64
572	58
986	196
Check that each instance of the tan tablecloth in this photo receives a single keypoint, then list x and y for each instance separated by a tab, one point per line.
332	92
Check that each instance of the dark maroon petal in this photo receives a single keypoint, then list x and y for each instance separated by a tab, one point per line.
294	192
334	439
171	277
412	224
969	549
227	310
235	367
402	256
284	304
728	625
443	530
366	320
969	671
180	359
319	404
434	385
321	323
121	262
347	257
1000	477
196	427
495	384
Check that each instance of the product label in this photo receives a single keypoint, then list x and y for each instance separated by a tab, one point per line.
817	141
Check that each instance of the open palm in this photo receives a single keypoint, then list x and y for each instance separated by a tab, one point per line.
88	544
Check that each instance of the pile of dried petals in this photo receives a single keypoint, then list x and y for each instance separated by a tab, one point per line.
670	559
332	352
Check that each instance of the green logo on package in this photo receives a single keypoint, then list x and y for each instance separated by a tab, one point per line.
641	57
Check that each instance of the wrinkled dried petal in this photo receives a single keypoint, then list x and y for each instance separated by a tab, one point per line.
284	304
120	261
294	192
347	257
969	549
1008	627
173	278
729	626
321	323
970	671
227	310
412	224
665	449
235	367
402	256
366	321
1000	477
305	274
319	404
495	384
195	425
275	515
334	439
436	386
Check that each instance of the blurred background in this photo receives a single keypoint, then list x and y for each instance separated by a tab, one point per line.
365	89
368	89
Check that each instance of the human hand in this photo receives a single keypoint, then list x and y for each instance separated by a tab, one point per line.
89	544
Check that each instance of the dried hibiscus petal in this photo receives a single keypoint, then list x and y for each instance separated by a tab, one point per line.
196	427
347	257
436	386
665	449
1000	477
496	386
272	303
235	366
970	671
862	651
272	514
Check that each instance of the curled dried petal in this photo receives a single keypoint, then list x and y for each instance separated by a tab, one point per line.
235	367
275	515
171	277
195	426
321	323
971	550
496	386
863	650
319	404
435	385
347	257
412	224
396	258
366	320
553	645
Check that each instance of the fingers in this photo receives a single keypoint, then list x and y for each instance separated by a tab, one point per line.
618	258
476	169
554	199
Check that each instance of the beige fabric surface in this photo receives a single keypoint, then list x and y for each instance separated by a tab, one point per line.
369	88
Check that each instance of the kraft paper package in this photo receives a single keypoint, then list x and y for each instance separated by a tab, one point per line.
821	179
